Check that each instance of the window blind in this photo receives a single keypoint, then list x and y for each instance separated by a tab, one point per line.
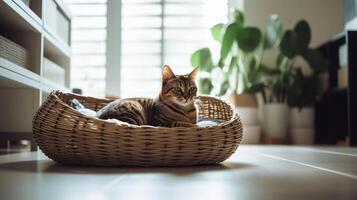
158	32
89	22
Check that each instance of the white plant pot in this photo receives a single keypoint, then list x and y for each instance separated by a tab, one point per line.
251	134
275	120
302	135
248	115
303	118
301	125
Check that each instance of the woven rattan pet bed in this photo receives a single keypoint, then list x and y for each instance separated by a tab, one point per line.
69	137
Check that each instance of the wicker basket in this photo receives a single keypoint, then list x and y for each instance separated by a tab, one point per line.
69	137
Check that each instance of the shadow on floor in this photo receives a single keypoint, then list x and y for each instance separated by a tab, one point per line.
48	166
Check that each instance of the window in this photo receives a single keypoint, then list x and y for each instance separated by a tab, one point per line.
157	32
89	22
154	33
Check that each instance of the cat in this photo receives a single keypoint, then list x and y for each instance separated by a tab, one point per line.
175	106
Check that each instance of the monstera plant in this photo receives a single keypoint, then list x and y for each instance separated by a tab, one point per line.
304	88
287	84
294	44
239	72
239	67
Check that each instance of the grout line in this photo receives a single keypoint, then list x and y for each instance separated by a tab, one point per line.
330	152
306	165
112	183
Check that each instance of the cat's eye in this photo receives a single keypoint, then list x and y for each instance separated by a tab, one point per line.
193	90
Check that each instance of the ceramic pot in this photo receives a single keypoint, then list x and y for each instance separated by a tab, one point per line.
275	120
303	118
301	125
302	136
251	134
248	115
242	100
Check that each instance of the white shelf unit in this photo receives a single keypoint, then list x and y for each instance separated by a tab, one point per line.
23	88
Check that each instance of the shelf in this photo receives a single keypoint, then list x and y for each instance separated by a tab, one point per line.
13	15
19	76
22	88
14	76
54	45
28	10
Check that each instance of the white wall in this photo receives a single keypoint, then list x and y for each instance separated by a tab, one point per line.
326	17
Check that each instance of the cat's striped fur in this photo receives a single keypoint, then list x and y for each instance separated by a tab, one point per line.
174	107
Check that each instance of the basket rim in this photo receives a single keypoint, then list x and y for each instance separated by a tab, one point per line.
54	93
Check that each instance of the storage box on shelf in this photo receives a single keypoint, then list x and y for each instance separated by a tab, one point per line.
63	26
53	72
13	52
50	14
56	21
34	60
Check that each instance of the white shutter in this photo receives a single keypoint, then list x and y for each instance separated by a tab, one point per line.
89	22
157	32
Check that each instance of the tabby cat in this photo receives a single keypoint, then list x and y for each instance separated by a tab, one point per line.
174	107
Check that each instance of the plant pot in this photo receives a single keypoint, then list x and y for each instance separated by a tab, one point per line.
303	118
302	135
275	120
301	125
248	115
251	134
242	100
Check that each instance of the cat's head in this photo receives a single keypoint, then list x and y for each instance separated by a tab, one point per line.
178	88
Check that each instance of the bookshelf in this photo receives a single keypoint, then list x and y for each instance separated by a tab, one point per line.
23	88
337	109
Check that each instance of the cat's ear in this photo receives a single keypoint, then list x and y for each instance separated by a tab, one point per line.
167	74
193	74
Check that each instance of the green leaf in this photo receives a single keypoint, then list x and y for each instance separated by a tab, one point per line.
224	87
221	63
303	90
303	31
239	17
279	60
217	32
228	40
315	59
248	39
255	88
273	33
232	65
289	44
203	59
252	71
205	85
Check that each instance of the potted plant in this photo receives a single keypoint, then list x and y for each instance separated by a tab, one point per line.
238	73
275	109
240	58
301	97
285	79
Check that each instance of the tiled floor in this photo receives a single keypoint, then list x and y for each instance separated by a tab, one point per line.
253	172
